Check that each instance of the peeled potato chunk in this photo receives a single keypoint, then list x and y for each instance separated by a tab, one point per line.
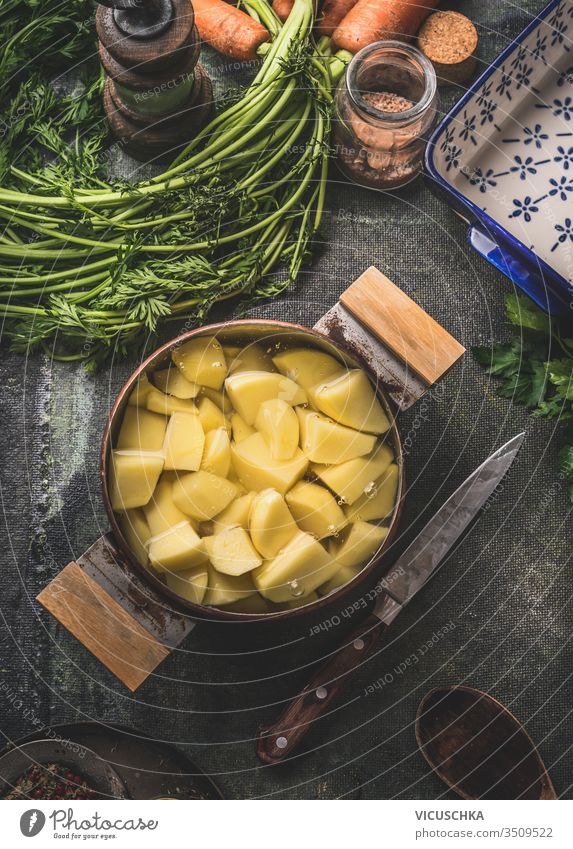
307	367
352	479
241	490
251	358
217	452
140	392
359	544
176	549
240	428
184	442
344	575
141	430
161	512
299	568
315	509
202	495
379	503
211	416
248	389
159	402
133	477
270	523
171	381
202	361
278	423
325	441
257	470
210	474
231	552
350	400
231	351
227	589
190	584
136	531
219	399
252	604
237	513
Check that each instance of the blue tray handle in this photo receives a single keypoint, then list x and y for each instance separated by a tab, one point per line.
530	280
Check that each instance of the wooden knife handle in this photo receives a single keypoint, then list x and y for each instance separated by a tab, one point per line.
277	742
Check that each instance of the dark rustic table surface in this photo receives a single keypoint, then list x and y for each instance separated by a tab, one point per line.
497	616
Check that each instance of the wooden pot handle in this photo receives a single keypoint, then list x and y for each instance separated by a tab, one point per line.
404	346
115	613
277	742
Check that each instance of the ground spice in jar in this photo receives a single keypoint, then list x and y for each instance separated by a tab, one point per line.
383	162
51	781
385	112
387	101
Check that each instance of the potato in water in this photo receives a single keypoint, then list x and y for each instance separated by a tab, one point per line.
253	477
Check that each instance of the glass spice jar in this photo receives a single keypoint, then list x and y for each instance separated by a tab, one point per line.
386	108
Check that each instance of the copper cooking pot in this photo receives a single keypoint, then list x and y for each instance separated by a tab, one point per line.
140	617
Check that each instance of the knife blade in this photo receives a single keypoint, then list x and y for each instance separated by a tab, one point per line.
416	565
277	742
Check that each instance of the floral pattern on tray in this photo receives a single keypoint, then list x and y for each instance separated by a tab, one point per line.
509	149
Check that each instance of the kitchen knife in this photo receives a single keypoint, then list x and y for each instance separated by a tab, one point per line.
275	743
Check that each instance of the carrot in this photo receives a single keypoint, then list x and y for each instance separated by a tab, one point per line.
333	11
228	29
372	20
282	8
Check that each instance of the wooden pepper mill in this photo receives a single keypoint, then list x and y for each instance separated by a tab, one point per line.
156	96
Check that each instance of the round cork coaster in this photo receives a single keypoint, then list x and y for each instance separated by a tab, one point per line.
449	40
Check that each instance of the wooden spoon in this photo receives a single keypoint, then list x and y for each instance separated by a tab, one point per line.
478	747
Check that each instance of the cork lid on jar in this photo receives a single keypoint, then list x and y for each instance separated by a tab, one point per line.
449	40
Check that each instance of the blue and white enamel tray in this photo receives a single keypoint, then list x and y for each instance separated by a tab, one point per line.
503	157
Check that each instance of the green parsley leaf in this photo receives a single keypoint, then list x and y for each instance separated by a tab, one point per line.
566	461
561	375
523	313
527	374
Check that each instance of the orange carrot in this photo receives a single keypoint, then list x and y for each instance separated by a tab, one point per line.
282	8
228	29
333	11
372	20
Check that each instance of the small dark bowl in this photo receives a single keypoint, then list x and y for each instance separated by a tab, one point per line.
97	773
